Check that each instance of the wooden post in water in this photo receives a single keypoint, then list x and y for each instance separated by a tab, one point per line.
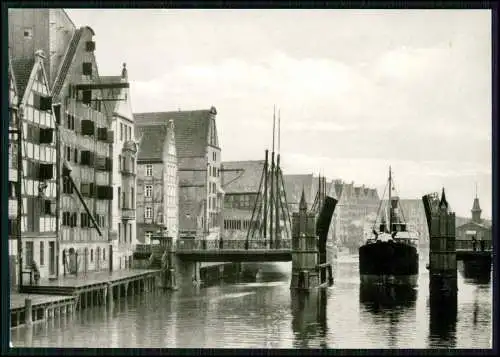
304	249
442	252
28	312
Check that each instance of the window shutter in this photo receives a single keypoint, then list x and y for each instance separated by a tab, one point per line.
90	46
87	68
45	103
46	172
46	135
86	96
36	100
110	137
87	127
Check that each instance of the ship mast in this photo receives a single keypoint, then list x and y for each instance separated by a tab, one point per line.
390	207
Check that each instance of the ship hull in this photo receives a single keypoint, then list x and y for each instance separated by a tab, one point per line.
388	263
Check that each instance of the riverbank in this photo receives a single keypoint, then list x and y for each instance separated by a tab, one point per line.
50	298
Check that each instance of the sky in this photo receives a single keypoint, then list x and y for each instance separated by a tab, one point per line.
357	90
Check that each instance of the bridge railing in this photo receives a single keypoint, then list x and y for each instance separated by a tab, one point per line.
197	244
468	244
143	248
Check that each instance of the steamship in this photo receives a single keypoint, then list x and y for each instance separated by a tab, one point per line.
390	256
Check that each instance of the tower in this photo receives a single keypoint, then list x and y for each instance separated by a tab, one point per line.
476	210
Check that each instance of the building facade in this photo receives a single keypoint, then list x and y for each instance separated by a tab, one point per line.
476	228
355	214
86	148
49	30
198	158
124	174
240	183
157	182
30	103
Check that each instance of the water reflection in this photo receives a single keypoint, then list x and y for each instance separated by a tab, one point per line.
379	299
442	322
389	306
309	320
246	313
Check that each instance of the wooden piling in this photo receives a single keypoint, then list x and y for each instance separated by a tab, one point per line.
28	319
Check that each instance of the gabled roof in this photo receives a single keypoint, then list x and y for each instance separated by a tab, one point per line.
66	62
22	69
483	225
191	129
152	141
244	176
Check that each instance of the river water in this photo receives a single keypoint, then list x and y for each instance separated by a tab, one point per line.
265	314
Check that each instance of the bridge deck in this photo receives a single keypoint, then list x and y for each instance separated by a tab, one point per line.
235	255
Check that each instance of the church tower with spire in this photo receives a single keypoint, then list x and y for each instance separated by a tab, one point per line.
476	210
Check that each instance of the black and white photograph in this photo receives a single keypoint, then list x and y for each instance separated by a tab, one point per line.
249	178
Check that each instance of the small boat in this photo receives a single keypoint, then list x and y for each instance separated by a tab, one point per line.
390	256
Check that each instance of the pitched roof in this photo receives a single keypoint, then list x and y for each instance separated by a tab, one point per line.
22	69
244	176
152	141
191	129
483	225
66	63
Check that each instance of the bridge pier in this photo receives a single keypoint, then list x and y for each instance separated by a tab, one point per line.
305	274
183	274
442	252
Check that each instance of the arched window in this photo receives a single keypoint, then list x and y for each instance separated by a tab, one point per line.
103	253
91	255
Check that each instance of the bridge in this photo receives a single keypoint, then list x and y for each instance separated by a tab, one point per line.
466	250
227	250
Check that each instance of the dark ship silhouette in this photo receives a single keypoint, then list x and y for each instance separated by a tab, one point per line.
390	257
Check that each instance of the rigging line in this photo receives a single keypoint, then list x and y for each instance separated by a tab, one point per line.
286	203
255	205
242	171
283	211
400	205
379	206
279	131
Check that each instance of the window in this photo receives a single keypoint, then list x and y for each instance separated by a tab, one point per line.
28	32
148	212
42	254
103	253
29	254
129	132
91	255
148	190
119	196
68	153
121	131
132	198
149	170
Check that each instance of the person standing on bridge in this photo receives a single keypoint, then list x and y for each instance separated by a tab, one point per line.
474	243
